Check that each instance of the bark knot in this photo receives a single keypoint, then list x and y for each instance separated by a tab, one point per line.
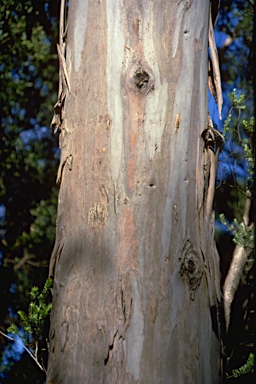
140	77
191	268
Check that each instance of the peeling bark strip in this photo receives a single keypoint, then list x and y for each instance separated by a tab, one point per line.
215	67
213	140
136	275
63	74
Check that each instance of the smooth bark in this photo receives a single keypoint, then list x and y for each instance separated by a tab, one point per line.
136	275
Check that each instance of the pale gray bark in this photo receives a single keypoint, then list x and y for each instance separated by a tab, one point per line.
136	282
239	258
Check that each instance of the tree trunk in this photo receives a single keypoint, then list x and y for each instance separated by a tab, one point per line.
136	276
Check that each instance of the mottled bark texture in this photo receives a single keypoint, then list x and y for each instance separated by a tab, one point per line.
136	275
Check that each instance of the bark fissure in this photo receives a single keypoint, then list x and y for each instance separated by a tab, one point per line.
110	348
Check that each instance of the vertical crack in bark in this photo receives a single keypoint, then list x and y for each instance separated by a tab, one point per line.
127	309
122	321
110	348
124	302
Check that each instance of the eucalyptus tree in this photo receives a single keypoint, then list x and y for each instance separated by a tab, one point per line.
136	274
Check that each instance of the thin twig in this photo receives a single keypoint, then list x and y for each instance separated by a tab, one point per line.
26	349
24	260
43	263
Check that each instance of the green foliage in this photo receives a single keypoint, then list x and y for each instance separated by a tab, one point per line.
247	368
28	74
243	235
249	127
236	20
45	219
237	99
28	154
33	320
237	102
242	232
244	136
